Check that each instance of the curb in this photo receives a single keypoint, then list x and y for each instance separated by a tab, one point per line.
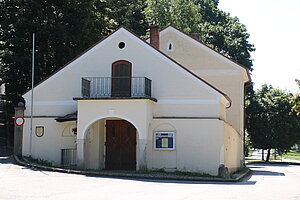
240	177
132	176
32	165
274	162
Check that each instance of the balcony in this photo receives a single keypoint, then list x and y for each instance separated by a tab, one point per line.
116	87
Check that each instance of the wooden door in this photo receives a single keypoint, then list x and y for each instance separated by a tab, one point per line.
121	79
120	145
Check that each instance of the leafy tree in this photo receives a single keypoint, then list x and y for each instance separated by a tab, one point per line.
63	29
217	28
129	13
271	124
182	13
296	101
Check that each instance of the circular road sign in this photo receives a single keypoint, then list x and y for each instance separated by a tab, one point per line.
19	121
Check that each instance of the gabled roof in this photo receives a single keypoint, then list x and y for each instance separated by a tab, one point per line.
233	62
149	46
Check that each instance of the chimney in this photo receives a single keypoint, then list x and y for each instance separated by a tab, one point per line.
196	36
154	36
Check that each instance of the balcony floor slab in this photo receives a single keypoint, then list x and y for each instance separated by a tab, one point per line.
113	98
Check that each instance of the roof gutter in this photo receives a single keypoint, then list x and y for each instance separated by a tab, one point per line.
226	101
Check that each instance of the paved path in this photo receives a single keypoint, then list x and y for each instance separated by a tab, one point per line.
268	182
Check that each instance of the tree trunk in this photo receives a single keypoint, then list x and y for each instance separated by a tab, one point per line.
262	155
268	155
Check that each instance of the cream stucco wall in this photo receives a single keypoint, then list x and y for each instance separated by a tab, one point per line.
198	145
169	81
94	145
188	54
233	154
57	136
197	107
137	112
212	67
224	75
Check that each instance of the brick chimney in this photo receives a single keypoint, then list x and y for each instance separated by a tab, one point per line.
154	36
196	36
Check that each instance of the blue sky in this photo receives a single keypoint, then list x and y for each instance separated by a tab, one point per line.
274	28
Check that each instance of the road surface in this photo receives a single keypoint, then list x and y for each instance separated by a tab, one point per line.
268	182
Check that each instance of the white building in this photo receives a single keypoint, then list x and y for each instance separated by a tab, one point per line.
174	104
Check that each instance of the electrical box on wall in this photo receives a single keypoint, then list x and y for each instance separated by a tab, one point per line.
164	140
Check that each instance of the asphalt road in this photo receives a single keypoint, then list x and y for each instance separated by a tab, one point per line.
272	182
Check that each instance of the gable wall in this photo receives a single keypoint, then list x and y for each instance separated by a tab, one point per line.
211	68
188	54
54	97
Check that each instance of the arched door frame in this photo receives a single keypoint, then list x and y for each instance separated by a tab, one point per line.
121	117
140	146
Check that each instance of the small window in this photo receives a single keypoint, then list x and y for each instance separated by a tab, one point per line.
164	140
39	131
121	45
170	46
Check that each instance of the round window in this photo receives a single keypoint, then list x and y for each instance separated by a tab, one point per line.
121	45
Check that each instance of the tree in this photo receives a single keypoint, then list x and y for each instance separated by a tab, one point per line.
63	29
296	101
129	13
183	14
217	28
271	124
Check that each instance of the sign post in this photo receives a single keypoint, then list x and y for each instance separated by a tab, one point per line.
18	128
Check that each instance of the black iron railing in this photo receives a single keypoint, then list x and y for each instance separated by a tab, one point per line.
94	87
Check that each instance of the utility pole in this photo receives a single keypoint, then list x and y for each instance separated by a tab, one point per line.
32	86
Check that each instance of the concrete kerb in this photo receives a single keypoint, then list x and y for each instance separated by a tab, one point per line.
273	162
118	174
37	166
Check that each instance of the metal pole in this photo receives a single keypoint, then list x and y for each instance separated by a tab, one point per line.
32	86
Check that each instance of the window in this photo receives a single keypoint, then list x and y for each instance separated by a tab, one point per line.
170	46
164	140
121	45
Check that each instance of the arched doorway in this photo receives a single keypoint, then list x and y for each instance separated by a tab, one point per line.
120	145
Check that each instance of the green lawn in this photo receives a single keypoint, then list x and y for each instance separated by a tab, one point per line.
292	155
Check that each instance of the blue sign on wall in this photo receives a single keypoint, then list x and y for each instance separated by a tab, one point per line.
164	140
